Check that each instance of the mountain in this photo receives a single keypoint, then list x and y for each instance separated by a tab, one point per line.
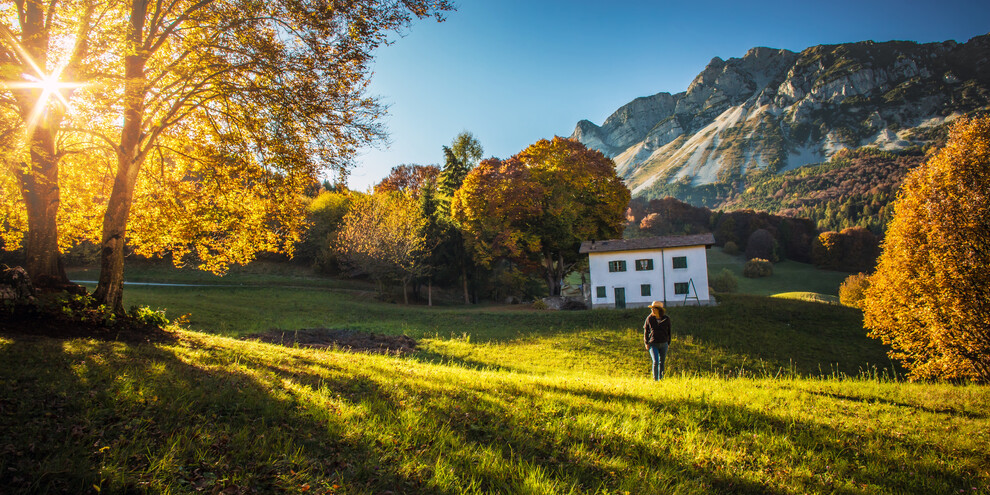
776	110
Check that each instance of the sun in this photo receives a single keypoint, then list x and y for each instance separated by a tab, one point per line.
50	86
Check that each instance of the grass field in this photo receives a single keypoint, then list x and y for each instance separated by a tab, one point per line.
788	276
763	395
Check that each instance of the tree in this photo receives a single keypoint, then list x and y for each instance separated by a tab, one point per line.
452	244
382	237
48	36
761	244
930	296
452	174
854	249
235	105
467	149
409	179
539	205
853	288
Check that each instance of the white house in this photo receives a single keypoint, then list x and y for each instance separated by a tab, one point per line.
632	273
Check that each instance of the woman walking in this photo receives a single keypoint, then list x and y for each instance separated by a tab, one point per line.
656	337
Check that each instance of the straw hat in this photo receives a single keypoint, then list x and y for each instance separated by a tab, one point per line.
656	304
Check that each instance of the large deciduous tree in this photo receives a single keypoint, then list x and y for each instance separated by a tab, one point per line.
217	115
48	41
540	204
930	296
382	236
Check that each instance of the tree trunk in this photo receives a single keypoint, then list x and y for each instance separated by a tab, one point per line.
39	188
553	288
405	291
110	290
467	296
38	181
429	293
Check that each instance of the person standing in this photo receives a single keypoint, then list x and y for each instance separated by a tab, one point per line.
656	337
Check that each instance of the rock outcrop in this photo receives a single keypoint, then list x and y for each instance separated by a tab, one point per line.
776	109
15	287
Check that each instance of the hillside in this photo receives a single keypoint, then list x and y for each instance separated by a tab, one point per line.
776	110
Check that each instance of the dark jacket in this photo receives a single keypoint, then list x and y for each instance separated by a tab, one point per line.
656	331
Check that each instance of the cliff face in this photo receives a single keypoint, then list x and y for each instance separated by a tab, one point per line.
780	110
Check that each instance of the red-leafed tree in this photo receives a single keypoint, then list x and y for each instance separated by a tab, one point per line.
408	179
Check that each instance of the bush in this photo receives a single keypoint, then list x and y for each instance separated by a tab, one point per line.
730	248
539	304
724	281
757	268
852	289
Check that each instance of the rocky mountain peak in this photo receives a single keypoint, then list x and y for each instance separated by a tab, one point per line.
776	109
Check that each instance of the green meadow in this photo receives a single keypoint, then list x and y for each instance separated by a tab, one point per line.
763	395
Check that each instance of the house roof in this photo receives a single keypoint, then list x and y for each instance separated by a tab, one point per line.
669	241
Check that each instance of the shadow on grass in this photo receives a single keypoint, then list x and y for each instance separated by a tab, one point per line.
80	414
97	416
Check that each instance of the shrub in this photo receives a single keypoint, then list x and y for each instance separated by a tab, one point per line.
147	316
757	268
539	304
724	281
853	288
730	248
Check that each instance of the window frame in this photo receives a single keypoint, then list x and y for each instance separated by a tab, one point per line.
645	290
648	267
682	285
674	261
601	292
617	266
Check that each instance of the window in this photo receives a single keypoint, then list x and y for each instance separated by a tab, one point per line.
643	265
644	290
681	288
600	291
617	266
679	261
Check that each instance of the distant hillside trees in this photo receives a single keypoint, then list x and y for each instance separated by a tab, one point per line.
670	216
761	244
792	235
930	296
854	249
539	205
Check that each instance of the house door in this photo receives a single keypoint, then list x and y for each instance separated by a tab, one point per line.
620	298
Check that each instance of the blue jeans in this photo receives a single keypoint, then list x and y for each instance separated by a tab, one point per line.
658	353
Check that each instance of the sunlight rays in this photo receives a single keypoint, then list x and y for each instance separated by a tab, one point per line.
36	79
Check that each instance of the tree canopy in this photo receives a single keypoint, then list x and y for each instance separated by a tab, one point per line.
930	296
538	206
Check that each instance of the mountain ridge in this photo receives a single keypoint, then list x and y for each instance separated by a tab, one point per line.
775	109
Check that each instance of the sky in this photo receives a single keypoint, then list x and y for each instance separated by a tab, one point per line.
513	72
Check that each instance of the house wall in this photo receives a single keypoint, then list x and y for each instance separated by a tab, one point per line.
662	278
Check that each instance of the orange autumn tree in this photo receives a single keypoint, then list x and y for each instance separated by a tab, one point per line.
539	206
930	296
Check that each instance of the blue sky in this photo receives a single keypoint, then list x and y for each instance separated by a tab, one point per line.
513	72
